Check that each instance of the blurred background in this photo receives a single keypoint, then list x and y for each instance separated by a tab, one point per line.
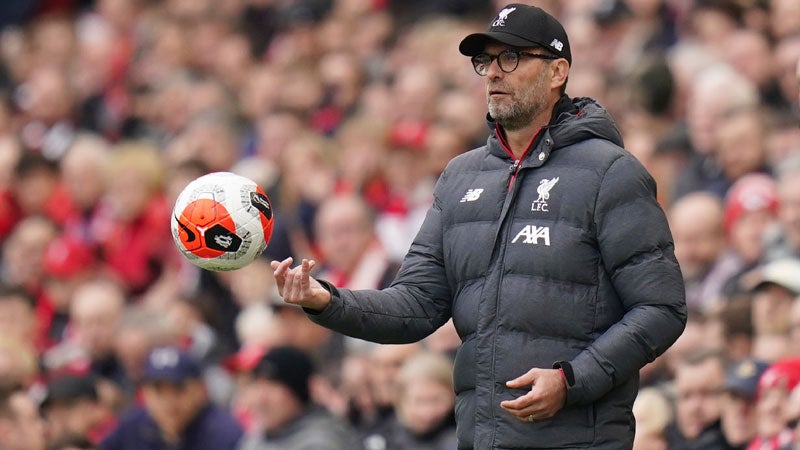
346	112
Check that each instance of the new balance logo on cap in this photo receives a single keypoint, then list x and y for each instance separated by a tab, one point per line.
556	44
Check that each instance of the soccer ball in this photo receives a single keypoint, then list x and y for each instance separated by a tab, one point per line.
222	221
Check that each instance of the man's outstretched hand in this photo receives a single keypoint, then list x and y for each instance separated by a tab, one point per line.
297	287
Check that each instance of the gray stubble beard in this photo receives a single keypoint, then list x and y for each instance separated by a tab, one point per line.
520	113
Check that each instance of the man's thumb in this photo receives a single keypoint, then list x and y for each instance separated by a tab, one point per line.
523	380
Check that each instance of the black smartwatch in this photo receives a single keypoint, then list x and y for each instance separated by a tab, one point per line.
569	374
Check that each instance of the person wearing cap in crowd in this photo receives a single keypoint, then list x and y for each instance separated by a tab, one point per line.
738	415
283	409
774	286
547	248
68	263
72	407
750	209
177	412
773	431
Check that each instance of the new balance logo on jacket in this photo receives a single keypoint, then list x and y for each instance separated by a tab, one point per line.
472	195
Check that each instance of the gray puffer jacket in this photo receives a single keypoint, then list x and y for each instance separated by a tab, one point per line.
562	256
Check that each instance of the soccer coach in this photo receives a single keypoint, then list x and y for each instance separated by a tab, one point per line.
547	248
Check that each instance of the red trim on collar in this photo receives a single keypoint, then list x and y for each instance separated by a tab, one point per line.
507	148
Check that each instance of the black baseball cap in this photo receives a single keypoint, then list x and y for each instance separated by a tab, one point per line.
521	26
69	389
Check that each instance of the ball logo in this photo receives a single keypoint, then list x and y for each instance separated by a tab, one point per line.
259	200
190	236
222	239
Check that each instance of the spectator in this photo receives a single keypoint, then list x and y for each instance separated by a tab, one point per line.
176	411
284	412
319	98
697	227
739	146
133	232
774	387
17	315
38	190
23	252
68	263
95	312
18	363
83	170
786	239
653	414
73	407
699	380
738	417
715	90
351	254
751	208
138	332
774	286
21	427
424	407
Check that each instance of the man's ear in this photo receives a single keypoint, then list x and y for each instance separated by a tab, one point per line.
559	73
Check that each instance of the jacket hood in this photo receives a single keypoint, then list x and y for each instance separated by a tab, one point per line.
573	120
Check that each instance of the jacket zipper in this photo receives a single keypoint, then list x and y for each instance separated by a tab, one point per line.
513	171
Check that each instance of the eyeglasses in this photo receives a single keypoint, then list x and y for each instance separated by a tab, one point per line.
508	60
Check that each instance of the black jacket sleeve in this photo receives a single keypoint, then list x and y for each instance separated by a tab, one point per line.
416	304
636	246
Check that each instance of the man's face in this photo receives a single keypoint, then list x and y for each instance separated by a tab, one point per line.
172	405
65	419
274	403
515	99
738	419
425	404
772	305
17	319
696	224
771	409
698	396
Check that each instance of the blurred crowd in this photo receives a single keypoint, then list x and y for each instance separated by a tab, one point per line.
346	112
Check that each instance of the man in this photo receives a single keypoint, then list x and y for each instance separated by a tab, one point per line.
548	250
177	412
785	241
699	382
21	427
283	408
17	314
696	221
73	407
352	254
774	286
738	415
